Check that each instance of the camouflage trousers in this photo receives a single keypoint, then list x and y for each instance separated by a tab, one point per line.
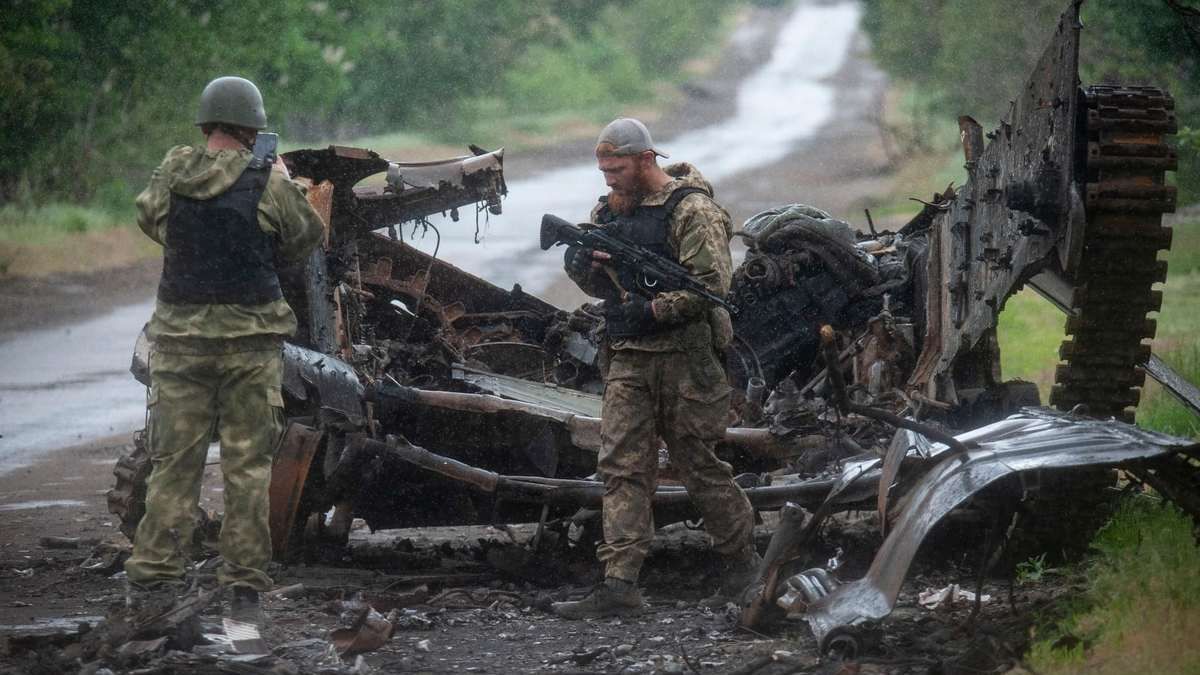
231	387
682	397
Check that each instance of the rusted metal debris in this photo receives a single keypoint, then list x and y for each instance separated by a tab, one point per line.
420	395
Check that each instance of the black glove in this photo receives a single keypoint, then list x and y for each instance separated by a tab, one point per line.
632	318
577	261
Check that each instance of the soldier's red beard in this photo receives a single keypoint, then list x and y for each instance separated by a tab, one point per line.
623	202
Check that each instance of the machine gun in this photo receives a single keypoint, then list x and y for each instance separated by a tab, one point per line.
638	268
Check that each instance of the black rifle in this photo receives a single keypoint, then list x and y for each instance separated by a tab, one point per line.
650	272
265	145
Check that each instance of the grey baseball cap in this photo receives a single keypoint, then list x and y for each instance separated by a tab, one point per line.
628	137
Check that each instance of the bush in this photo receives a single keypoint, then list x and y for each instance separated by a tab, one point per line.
974	56
95	92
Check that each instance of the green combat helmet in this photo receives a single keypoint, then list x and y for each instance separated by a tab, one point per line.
232	100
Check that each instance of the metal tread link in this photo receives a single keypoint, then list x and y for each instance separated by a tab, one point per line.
1177	478
127	499
1126	195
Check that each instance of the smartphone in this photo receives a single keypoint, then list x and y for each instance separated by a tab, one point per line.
265	145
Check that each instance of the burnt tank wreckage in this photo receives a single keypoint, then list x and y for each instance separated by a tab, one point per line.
865	366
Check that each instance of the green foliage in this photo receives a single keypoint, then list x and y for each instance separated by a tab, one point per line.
95	92
1142	596
972	57
608	56
582	75
1033	570
104	87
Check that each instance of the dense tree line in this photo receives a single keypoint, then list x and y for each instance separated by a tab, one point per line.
94	90
972	56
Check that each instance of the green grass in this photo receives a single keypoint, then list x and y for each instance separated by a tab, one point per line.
1141	610
1030	331
1184	257
49	222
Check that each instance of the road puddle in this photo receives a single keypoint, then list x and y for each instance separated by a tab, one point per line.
40	504
64	624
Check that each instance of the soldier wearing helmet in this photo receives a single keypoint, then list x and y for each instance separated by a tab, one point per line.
664	378
224	224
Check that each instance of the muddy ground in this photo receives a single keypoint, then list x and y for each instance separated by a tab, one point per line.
466	605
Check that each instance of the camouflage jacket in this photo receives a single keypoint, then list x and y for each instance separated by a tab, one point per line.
284	212
699	236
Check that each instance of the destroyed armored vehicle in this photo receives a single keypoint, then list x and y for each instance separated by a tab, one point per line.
865	366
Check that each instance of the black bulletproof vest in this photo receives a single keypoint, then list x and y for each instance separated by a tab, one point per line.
647	225
216	254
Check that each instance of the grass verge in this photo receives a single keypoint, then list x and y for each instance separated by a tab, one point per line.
41	241
46	223
1141	611
82	253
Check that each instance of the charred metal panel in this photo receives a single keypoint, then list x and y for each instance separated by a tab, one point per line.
1008	221
412	191
385	262
327	381
1031	441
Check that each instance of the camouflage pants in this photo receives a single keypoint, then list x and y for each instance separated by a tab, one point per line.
684	399
237	393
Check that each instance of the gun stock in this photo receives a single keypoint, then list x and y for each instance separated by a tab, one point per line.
553	231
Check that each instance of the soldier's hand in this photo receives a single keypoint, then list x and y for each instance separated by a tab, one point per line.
631	318
281	167
577	260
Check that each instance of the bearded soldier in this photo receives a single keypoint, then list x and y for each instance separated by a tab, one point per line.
224	223
664	378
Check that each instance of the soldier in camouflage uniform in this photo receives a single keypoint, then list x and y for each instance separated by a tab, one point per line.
217	332
665	377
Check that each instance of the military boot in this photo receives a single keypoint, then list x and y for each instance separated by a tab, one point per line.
161	594
245	606
613	597
738	574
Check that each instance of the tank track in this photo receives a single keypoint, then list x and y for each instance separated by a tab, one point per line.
127	498
1127	156
1177	478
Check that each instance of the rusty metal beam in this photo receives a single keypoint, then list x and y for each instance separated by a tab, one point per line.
289	473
